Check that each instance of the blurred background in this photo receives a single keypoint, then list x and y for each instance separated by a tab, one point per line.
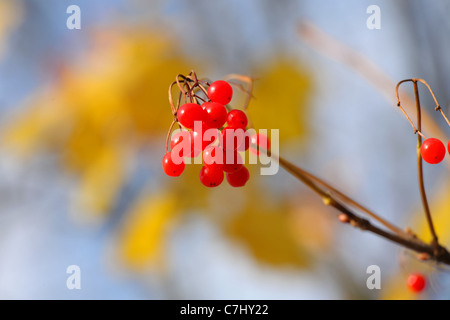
84	116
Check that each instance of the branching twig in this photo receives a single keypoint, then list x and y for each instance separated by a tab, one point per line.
407	241
423	195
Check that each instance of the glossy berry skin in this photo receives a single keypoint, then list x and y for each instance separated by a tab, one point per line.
213	156
170	168
179	137
234	163
416	282
432	150
211	176
215	114
260	140
232	138
237	119
207	137
188	113
238	178
220	91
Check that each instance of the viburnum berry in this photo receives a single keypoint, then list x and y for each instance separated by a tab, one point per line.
220	91
232	138
261	141
187	149
213	156
211	176
207	137
215	114
237	119
232	161
238	178
188	113
432	150
170	167
178	139
416	282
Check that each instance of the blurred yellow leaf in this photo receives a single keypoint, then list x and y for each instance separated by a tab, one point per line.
306	212
117	99
282	93
263	228
141	241
101	182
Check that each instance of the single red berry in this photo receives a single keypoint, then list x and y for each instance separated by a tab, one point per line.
170	167
448	146
215	114
238	178
188	113
232	138
207	137
220	91
237	119
432	150
187	148
213	156
232	161
211	176
261	141
416	282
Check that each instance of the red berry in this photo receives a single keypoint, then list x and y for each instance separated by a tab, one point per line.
170	167
416	282
220	91
432	150
216	114
188	113
207	137
232	138
237	119
238	178
232	161
184	147
211	176
213	156
261	141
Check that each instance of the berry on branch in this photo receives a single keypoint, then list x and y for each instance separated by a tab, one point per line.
432	150
220	91
188	113
170	167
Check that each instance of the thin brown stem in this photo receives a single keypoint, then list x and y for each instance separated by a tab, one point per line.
412	243
353	203
423	194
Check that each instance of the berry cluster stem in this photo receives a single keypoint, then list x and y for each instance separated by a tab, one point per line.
408	241
423	194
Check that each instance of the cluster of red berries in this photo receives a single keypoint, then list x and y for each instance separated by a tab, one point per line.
217	157
433	150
